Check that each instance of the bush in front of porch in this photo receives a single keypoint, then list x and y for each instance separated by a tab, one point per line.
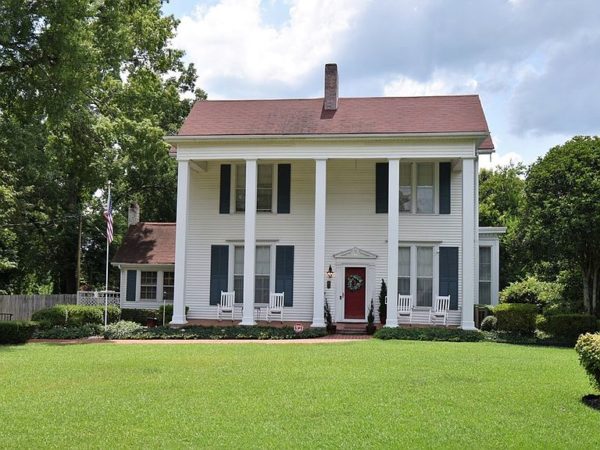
430	334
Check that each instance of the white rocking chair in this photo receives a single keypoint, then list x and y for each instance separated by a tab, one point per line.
405	307
226	305
275	307
440	309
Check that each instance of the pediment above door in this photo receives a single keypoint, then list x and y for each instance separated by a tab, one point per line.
355	253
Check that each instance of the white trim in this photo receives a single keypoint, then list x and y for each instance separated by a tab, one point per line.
318	320
468	244
249	242
181	229
393	233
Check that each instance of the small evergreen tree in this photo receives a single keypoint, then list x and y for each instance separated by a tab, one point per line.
371	319
382	305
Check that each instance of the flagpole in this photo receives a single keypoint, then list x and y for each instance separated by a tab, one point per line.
107	254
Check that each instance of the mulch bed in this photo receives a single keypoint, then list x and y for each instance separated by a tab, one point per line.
593	401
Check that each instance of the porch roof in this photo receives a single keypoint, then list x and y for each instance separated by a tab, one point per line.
355	116
147	243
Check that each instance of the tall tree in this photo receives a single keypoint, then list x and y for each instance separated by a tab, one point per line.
501	198
88	89
562	210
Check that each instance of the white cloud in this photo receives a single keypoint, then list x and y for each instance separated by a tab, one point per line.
438	84
231	40
490	162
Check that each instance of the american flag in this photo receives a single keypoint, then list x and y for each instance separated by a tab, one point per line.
109	221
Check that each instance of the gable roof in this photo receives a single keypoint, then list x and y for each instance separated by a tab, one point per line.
147	243
373	115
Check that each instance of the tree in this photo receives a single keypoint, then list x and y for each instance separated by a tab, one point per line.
562	210
87	92
501	199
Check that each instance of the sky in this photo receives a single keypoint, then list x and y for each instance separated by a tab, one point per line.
534	63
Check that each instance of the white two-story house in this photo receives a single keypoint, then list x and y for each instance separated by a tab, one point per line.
321	200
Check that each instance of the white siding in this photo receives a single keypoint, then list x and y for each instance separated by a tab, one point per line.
351	222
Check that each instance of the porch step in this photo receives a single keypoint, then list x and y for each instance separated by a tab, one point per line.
353	329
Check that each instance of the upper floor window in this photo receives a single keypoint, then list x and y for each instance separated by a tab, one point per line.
405	187
417	187
264	193
425	188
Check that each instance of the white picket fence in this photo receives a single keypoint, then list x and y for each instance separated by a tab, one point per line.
97	298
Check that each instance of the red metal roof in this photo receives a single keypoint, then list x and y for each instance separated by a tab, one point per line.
148	243
376	115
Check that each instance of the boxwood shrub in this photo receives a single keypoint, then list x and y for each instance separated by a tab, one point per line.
588	348
132	331
16	332
71	332
490	323
516	318
429	334
532	291
139	316
567	325
74	315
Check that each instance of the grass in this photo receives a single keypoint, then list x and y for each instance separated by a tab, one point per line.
357	395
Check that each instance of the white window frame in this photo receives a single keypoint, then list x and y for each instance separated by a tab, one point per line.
155	286
436	187
495	268
159	284
162	290
272	262
413	269
235	188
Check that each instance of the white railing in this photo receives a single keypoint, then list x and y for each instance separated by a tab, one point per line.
96	298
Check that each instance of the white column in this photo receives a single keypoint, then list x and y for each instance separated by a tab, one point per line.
468	243
249	243
319	257
393	225
183	197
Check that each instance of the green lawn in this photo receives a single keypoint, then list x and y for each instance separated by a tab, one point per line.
358	394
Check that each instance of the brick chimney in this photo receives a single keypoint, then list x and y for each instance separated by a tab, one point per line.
133	216
330	102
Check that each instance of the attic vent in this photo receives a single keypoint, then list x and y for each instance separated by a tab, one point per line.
330	102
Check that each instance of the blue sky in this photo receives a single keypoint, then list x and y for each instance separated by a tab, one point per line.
535	63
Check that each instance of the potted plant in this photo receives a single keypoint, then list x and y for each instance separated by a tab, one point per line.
382	304
331	328
371	320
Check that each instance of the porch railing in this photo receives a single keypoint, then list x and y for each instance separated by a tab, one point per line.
96	298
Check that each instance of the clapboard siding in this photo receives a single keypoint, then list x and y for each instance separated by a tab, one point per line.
351	222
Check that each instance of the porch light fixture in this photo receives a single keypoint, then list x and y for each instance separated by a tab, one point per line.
330	274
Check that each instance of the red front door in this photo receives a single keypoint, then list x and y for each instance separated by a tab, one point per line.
354	293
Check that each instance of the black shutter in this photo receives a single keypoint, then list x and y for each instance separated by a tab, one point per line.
449	274
224	197
445	176
284	172
381	187
219	271
284	273
131	285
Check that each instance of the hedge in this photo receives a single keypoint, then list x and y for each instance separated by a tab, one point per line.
516	318
429	334
16	332
567	325
74	315
588	348
129	331
72	332
140	316
490	323
532	291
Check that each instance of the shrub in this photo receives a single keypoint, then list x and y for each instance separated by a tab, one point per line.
198	332
168	313
516	318
139	316
532	291
72	332
567	325
16	332
490	323
588	348
74	315
429	334
382	303
122	330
